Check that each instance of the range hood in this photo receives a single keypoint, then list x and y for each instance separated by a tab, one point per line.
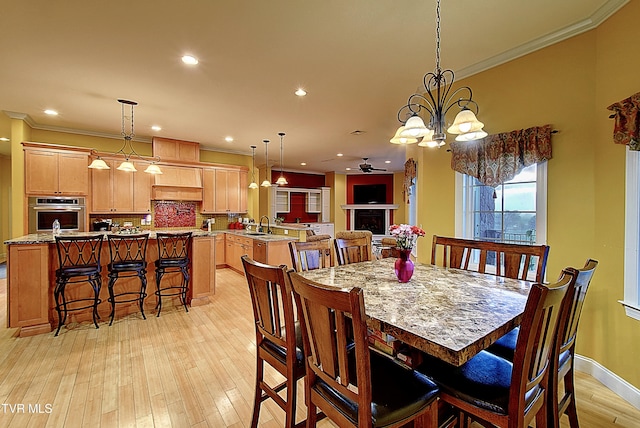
178	184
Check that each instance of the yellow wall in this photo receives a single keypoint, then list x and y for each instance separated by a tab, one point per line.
20	132
568	85
5	203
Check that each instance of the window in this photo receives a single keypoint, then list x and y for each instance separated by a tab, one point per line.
514	212
632	236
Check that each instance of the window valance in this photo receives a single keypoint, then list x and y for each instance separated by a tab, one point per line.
498	158
626	129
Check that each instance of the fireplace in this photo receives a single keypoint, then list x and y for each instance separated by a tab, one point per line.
372	220
373	217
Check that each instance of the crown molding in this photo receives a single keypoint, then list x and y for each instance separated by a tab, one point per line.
597	18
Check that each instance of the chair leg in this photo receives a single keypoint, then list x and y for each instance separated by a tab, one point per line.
159	274
59	294
571	410
112	298
290	410
143	291
258	393
185	286
96	284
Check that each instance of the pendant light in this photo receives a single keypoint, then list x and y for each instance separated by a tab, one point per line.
127	147
266	182
253	184
433	103
281	181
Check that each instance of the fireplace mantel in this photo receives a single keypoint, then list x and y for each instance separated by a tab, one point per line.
370	207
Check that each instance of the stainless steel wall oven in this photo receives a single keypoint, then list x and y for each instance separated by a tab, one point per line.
70	212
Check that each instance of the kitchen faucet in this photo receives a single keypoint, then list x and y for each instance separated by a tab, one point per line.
268	224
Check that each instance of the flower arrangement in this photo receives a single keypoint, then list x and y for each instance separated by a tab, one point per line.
405	235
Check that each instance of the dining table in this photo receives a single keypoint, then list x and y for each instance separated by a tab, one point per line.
451	314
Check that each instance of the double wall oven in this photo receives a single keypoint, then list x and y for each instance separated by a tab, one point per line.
69	211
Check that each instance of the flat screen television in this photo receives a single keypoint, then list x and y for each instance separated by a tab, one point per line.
369	193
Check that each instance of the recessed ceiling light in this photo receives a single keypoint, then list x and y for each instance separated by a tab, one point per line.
4	139
301	92
51	112
156	128
339	155
348	169
387	161
303	163
188	59
228	139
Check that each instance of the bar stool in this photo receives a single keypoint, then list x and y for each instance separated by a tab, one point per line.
128	259
79	260
173	256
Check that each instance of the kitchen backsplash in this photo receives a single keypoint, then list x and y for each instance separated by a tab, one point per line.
174	214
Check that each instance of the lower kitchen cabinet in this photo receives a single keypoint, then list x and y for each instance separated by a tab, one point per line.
203	283
235	247
273	253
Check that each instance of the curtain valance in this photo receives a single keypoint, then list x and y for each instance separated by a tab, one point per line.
498	158
626	129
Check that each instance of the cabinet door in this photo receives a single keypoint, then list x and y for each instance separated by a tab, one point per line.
29	288
203	270
101	190
73	173
41	172
122	190
233	191
208	190
220	201
243	190
142	190
220	250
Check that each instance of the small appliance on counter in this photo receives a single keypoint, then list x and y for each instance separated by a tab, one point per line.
101	225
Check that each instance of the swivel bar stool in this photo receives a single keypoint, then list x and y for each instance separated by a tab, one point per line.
79	260
173	256
128	259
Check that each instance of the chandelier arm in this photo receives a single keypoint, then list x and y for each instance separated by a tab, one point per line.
461	102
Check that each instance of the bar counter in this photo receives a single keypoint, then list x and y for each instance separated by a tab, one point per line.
32	262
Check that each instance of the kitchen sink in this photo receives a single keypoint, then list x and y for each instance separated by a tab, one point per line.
256	233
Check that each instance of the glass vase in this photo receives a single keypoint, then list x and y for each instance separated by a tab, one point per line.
404	266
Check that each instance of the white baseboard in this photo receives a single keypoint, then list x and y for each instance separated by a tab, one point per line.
611	380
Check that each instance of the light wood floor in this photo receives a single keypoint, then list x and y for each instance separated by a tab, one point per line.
182	369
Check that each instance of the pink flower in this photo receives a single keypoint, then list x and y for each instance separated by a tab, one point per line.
405	235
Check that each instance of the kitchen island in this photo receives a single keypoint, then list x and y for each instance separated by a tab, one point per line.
32	262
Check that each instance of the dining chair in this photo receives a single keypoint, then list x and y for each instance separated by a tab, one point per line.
278	337
493	390
518	261
353	246
388	248
560	402
351	384
311	255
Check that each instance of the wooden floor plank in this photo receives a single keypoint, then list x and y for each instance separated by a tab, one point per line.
194	369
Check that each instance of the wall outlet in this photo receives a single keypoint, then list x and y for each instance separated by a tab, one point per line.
286	231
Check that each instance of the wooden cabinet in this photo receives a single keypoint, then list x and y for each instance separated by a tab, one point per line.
203	269
56	172
274	253
237	246
178	183
118	191
28	292
175	150
224	190
220	250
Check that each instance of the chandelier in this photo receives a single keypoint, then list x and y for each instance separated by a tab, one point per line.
127	149
253	184
281	181
434	104
266	182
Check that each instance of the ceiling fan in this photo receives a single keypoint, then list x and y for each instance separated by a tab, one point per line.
367	167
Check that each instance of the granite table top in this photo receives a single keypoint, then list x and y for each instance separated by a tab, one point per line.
448	313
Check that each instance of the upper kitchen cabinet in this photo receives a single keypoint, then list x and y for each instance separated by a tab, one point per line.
225	190
55	172
178	183
115	191
170	150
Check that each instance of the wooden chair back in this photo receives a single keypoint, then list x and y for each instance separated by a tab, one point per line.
311	255
518	261
353	250
534	348
336	346
565	349
275	326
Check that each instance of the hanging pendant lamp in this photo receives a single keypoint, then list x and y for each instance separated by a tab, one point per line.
281	181
266	182
253	184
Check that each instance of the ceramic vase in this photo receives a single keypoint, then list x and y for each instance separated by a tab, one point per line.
404	266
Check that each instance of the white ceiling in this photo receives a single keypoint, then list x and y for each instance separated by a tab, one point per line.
359	60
